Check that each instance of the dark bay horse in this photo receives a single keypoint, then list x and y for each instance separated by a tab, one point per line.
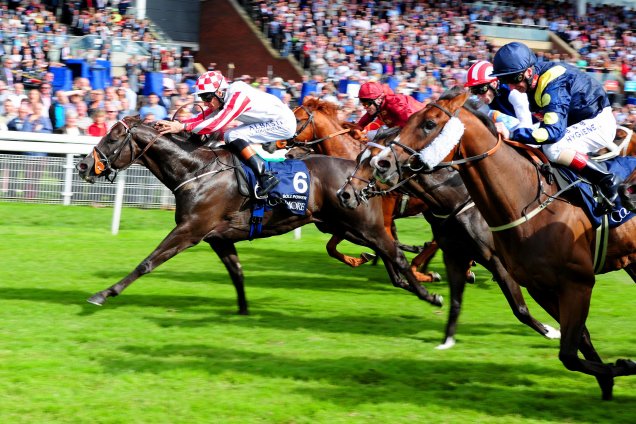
458	227
546	243
320	131
210	208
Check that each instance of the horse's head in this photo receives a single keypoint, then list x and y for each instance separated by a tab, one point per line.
318	126
116	151
428	138
363	183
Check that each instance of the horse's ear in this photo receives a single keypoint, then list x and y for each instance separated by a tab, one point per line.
458	101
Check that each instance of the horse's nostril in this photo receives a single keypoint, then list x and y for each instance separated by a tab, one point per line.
345	195
383	164
81	166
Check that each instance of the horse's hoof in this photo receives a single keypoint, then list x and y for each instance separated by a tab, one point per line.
629	366
367	256
470	277
435	277
97	299
448	343
551	333
437	300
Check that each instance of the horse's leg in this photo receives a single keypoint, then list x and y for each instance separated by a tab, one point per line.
393	257
456	273
631	271
573	306
394	261
226	250
348	260
514	296
422	260
179	239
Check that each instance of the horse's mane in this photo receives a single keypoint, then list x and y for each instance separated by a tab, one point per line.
192	143
472	105
328	108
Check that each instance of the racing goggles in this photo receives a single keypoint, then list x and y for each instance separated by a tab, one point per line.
480	89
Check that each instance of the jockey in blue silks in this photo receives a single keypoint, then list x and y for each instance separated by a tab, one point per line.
574	110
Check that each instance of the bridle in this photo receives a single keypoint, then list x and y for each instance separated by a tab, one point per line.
103	164
412	164
415	164
307	145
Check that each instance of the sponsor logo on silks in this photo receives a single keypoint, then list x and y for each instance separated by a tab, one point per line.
543	99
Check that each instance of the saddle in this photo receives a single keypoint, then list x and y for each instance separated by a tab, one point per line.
621	141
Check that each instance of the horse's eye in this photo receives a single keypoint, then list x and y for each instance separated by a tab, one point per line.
429	125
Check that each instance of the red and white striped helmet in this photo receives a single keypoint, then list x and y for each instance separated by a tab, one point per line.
479	73
210	82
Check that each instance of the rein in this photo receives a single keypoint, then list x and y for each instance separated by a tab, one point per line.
293	142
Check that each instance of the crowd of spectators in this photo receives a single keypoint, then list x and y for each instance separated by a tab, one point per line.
421	47
427	46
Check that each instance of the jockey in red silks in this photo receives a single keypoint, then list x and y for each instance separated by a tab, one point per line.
380	102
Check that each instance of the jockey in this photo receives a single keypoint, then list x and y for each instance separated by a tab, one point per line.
262	118
505	105
576	117
382	103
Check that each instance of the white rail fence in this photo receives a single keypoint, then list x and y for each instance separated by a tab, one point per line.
40	168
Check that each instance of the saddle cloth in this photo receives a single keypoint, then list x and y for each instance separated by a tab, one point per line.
293	189
621	166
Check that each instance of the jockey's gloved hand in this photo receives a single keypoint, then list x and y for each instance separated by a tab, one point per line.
269	147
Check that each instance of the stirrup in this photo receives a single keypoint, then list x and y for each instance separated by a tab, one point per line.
605	205
272	182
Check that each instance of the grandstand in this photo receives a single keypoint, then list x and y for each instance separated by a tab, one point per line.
112	58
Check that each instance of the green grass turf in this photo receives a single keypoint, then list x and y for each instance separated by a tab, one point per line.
323	344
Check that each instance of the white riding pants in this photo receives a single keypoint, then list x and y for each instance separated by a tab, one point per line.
586	136
264	132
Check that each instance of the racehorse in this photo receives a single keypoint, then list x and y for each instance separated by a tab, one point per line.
627	191
546	243
211	208
320	131
458	227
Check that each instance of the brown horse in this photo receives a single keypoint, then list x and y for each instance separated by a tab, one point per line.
211	208
546	244
320	131
461	231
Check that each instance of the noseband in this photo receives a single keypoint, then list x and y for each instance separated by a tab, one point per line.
103	164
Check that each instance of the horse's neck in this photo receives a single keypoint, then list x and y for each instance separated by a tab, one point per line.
442	191
503	184
172	163
341	146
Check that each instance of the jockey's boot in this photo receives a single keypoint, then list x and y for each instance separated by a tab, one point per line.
597	174
266	180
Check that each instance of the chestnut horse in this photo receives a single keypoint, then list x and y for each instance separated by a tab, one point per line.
547	244
211	208
319	131
457	225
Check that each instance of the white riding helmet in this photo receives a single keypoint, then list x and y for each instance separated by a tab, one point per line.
210	82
